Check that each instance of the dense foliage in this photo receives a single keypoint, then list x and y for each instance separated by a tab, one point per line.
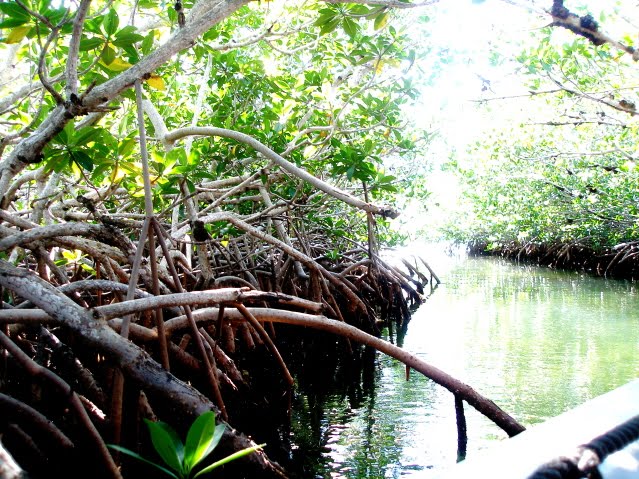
321	84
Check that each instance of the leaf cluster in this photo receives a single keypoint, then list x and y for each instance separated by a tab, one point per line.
183	458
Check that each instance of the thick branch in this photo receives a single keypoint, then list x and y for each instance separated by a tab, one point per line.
74	50
204	15
52	231
587	27
458	388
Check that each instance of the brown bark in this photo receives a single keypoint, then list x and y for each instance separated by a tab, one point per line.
134	362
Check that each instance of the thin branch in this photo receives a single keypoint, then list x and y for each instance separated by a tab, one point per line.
41	66
388	3
35	14
74	50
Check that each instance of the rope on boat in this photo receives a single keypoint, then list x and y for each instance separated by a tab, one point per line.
585	462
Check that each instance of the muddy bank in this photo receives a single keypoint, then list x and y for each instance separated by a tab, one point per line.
619	262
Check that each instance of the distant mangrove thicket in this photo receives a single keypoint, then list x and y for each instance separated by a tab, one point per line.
559	183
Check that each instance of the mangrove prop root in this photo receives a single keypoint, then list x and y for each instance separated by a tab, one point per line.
33	419
134	362
482	404
64	389
217	394
462	436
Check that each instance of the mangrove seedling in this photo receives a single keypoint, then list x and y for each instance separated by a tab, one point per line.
202	438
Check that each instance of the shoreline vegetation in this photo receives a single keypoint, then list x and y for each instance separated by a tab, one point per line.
617	262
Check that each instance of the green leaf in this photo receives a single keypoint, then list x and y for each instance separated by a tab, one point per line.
64	136
11	22
56	15
359	9
90	43
227	459
86	135
330	26
126	451
168	445
381	20
111	22
351	27
108	55
14	11
147	43
199	439
127	37
57	163
326	15
126	147
176	155
82	159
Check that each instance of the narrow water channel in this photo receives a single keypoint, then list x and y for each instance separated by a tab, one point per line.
536	341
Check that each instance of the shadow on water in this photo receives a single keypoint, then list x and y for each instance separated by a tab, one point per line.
331	391
345	421
536	341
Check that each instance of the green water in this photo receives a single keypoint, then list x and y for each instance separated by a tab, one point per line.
536	341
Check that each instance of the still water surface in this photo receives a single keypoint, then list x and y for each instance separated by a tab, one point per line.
538	342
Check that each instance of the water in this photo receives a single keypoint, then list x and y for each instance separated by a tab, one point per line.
538	342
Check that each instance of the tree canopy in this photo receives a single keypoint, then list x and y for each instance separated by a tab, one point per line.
175	178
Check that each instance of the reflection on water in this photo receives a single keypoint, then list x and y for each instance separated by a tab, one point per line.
536	341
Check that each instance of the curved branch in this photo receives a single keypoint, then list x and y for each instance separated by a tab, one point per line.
199	298
295	170
44	232
484	405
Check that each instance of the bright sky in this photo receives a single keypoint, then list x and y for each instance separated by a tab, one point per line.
468	33
471	32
